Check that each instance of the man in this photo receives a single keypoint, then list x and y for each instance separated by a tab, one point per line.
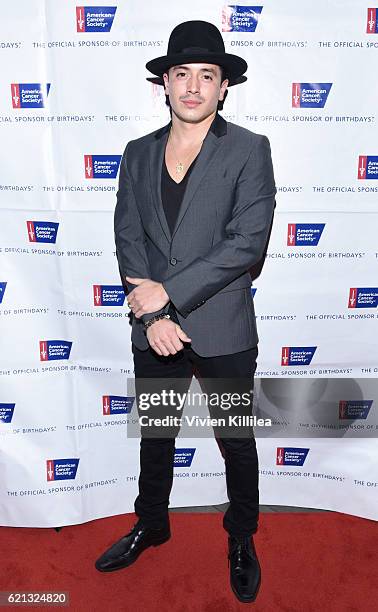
194	208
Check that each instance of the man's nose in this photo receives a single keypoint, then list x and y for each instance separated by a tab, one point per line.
193	85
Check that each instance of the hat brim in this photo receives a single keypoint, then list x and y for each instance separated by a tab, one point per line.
234	65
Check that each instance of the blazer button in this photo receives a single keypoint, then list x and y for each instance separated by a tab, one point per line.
173	261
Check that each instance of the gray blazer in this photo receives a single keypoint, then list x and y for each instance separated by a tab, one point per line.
221	231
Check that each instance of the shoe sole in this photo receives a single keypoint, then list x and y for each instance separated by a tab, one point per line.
247	599
131	561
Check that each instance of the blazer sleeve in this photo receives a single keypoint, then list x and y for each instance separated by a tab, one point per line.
246	236
129	233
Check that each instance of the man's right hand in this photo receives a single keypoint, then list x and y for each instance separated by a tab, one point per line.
166	337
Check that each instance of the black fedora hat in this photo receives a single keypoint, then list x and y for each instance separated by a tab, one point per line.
197	42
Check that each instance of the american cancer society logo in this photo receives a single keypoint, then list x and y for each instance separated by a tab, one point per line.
310	95
108	295
372	25
95	18
116	404
184	457
304	234
368	167
354	409
363	297
237	18
297	355
42	231
61	469
291	456
29	95
2	290
6	412
50	350
101	166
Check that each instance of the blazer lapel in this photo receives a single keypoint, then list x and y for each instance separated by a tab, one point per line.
156	156
201	167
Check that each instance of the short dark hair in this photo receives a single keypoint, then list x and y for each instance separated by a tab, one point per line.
220	102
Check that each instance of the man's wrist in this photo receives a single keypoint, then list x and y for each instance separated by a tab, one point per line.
148	323
165	292
149	315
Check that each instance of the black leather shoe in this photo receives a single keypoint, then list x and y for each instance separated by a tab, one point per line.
245	571
124	552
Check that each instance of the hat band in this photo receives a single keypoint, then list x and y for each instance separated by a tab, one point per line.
195	50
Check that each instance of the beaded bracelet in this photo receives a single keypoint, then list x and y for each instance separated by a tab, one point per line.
156	318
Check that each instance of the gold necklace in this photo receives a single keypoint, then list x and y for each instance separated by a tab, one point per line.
179	165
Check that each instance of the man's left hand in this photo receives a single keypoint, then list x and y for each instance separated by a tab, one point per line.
148	296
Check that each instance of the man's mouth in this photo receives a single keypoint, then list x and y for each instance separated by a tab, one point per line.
191	103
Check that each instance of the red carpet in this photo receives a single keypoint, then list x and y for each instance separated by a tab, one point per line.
310	562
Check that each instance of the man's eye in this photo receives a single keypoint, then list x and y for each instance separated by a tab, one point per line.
181	74
208	77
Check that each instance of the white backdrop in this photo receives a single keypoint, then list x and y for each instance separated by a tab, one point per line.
73	92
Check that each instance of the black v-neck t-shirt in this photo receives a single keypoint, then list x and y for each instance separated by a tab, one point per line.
172	194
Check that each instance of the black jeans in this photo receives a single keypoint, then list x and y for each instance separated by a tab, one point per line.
157	454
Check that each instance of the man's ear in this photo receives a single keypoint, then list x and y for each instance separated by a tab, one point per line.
223	90
165	78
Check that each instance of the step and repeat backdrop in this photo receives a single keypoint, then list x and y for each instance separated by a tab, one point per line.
73	93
